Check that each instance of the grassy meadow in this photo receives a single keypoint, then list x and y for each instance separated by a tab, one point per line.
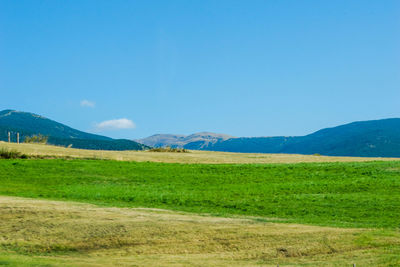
363	194
81	210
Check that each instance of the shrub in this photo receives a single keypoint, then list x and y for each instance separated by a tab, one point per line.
168	149
41	139
11	154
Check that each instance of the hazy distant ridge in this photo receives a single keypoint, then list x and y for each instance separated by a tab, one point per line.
203	139
375	138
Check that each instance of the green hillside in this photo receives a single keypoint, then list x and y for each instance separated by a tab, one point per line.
29	124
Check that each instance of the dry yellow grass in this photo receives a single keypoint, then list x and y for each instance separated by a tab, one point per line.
170	157
74	234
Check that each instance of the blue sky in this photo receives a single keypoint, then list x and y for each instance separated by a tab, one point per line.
129	69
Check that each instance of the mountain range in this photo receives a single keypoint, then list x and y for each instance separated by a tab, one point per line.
375	138
29	124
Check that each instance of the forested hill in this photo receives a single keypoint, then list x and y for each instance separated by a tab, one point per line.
375	138
29	124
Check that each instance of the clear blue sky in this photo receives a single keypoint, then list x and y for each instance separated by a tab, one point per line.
245	68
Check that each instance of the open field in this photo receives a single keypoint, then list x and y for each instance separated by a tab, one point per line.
364	194
192	157
47	233
291	214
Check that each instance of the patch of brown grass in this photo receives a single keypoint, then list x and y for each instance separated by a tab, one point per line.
83	234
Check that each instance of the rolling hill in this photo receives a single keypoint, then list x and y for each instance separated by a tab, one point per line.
28	124
375	138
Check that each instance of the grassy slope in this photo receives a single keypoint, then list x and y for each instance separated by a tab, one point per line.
337	194
47	233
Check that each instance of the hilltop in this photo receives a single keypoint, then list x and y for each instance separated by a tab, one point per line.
28	124
195	141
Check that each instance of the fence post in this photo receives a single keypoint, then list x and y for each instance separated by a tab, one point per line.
17	138
9	137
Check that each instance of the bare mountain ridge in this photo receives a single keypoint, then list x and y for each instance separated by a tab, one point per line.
202	139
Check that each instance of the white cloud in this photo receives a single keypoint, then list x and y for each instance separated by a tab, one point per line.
116	124
87	103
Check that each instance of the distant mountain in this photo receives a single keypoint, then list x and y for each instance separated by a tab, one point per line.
193	141
28	124
376	138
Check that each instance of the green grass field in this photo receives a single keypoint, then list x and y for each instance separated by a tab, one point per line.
354	194
251	210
